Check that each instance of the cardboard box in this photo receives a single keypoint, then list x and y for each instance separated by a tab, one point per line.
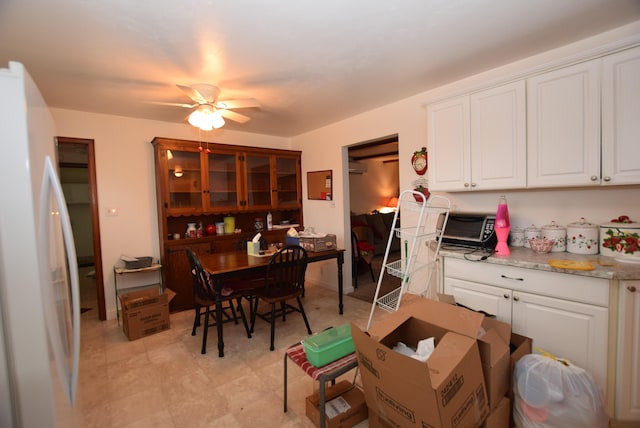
493	342
500	417
145	312
520	346
377	421
495	356
325	243
447	390
349	398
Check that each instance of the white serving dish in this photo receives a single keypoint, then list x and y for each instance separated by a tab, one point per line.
621	241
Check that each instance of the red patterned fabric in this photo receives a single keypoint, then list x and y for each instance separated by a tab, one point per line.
297	355
366	246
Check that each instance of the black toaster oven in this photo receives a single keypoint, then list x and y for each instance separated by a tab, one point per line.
470	230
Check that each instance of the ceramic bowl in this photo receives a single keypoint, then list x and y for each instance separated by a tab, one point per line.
541	245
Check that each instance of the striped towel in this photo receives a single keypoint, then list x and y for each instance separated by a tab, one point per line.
297	355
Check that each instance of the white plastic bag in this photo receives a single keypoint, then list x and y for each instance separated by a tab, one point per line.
550	393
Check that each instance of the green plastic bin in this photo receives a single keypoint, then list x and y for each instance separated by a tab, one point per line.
329	345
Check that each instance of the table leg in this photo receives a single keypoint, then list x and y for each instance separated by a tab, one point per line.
217	285
285	381
340	261
322	391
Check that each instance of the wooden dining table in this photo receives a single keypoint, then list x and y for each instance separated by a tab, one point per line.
226	266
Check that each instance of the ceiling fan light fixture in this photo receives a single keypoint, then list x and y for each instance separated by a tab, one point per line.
206	118
216	119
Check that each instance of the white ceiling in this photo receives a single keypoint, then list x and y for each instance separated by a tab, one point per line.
309	62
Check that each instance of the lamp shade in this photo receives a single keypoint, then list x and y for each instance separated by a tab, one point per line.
206	118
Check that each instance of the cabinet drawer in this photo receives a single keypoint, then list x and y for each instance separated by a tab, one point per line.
577	288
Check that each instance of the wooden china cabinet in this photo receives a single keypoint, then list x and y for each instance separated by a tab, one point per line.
203	183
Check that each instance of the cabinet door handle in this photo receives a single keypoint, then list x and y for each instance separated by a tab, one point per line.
516	298
631	288
473	185
505	295
510	277
466	184
594	178
607	178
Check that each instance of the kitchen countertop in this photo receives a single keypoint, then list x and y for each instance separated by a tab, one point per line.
605	267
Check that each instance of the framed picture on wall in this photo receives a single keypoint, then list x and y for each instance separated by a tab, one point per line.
320	185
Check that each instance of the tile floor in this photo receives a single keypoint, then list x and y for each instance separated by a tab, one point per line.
163	380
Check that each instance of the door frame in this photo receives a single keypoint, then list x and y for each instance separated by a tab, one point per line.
95	219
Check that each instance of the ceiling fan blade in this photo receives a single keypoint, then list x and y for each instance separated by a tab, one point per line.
162	103
246	103
193	94
232	115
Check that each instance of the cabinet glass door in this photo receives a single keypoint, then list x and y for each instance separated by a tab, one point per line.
224	191
258	173
287	182
184	180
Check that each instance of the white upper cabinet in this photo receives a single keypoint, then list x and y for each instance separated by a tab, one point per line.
449	144
478	141
563	123
498	137
572	126
621	118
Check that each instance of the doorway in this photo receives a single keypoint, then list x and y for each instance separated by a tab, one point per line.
374	185
374	177
76	163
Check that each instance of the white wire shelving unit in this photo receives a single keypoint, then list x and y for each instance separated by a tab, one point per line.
420	246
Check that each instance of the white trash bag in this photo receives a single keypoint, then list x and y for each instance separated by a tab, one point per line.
554	393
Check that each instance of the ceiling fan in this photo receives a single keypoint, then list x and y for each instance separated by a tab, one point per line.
210	112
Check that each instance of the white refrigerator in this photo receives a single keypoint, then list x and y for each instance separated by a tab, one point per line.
39	294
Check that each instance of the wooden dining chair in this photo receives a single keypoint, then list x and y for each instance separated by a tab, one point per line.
284	281
204	296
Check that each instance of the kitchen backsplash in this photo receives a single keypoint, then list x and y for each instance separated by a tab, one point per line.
541	207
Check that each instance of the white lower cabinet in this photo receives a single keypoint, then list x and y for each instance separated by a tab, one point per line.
628	361
566	315
573	331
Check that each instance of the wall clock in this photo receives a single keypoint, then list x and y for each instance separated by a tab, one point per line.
419	161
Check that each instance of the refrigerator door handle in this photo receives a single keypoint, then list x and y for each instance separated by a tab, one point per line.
67	370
